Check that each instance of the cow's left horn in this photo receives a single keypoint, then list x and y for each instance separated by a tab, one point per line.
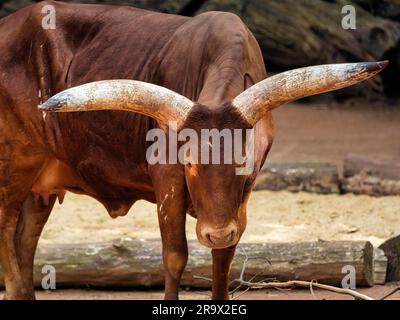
291	85
151	100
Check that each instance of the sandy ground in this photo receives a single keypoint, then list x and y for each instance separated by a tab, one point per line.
273	216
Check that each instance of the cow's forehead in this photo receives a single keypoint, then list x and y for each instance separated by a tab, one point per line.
222	117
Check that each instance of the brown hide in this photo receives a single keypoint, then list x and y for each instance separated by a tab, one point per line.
210	59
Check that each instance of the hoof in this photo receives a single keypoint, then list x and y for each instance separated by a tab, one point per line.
19	297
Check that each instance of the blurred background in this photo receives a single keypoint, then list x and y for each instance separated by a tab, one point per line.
299	33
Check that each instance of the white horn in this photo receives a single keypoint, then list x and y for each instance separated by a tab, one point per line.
291	85
151	100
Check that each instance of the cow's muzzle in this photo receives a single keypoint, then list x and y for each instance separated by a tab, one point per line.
219	238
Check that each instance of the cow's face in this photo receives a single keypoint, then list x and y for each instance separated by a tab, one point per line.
219	189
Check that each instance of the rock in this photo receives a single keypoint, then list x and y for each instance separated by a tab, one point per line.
391	247
352	230
168	6
301	33
8	7
389	9
319	177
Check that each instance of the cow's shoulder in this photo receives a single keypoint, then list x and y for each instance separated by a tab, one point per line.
225	29
220	16
222	22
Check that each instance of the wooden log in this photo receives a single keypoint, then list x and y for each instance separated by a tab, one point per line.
380	266
319	177
132	262
355	164
391	247
369	176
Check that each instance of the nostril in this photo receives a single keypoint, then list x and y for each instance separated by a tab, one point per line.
224	239
213	239
228	237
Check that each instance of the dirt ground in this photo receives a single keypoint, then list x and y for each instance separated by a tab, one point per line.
302	133
376	292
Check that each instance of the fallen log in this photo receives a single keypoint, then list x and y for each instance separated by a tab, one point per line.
369	176
355	164
132	262
380	266
319	177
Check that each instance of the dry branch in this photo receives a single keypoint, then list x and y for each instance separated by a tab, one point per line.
294	283
249	284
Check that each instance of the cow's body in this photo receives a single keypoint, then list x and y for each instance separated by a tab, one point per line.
210	59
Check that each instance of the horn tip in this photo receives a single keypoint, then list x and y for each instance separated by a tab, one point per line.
376	66
51	105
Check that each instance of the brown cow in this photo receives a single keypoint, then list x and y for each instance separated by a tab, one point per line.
211	59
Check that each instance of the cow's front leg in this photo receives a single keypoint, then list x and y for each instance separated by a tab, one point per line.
175	251
222	260
170	188
8	256
32	219
172	218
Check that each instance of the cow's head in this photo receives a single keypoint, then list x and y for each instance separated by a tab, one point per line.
218	191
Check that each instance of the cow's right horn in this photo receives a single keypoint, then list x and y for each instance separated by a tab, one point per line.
291	85
151	100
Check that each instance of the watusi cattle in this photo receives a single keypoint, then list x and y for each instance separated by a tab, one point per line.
202	72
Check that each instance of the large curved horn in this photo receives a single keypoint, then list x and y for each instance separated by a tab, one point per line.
291	85
151	100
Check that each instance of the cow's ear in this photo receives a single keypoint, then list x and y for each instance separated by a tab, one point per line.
291	85
148	99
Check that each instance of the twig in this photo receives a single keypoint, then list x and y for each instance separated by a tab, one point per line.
239	286
290	284
312	290
390	293
240	294
202	278
305	284
295	283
